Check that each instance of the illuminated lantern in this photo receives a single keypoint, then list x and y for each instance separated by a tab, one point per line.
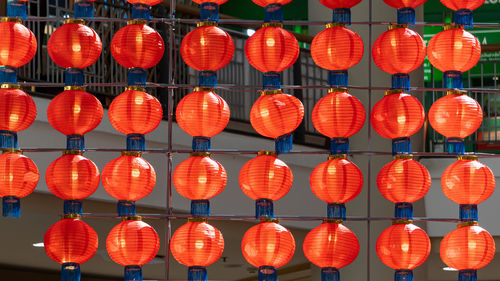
197	244
137	46
199	178
399	51
135	113
128	178
74	45
74	112
406	9
202	114
276	115
403	247
453	51
18	178
265	179
17	109
264	3
272	49
145	2
467	249
463	10
207	48
268	246
18	45
132	243
218	2
331	246
72	177
70	242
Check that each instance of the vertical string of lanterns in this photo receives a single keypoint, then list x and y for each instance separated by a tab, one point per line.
74	112
18	174
202	114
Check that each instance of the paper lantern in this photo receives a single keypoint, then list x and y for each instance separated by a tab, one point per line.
18	175
403	246
18	45
454	50
272	49
337	4
202	114
207	48
264	3
72	177
70	240
467	247
398	4
128	177
218	2
74	44
197	244
399	50
403	180
145	2
337	180
268	244
17	110
455	116
274	115
74	112
338	114
331	245
199	177
132	242
397	115
337	48
462	4
135	112
137	45
468	181
265	177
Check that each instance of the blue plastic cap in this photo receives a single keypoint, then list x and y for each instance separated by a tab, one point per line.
467	275
464	17
133	273
200	208
197	273
403	211
453	80
273	13
17	9
207	78
455	146
338	78
401	146
73	77
8	74
284	144
209	11
406	16
403	275
468	212
400	81
136	142
126	208
330	274
70	271
84	9
11	207
75	142
341	15
201	144
137	77
73	207
268	273
339	146
271	80
8	139
264	208
141	11
336	211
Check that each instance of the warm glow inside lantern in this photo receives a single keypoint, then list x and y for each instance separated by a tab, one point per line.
18	45
17	109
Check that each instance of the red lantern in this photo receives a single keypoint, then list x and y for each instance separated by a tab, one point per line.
454	50
264	3
74	112
70	240
265	177
467	247
18	45
18	175
72	177
337	48
455	116
268	244
397	115
137	45
132	242
468	181
403	246
199	109
337	180
272	48
74	45
403	180
274	115
218	2
197	244
135	112
398	4
331	245
199	177
399	50
17	110
145	2
336	4
207	48
462	4
338	114
128	177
